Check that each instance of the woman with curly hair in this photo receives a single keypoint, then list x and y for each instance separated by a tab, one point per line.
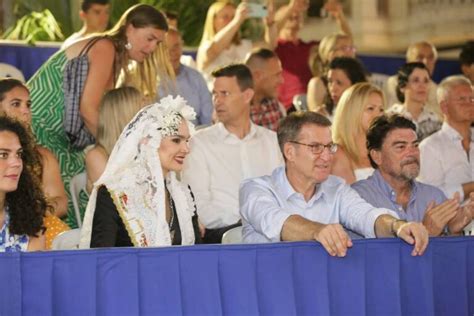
15	103
22	203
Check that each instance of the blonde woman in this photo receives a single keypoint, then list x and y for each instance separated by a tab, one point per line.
330	47
118	107
357	108
221	43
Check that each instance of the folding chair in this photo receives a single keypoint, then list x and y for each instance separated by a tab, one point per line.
76	185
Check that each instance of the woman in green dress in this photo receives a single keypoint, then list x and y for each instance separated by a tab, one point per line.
137	40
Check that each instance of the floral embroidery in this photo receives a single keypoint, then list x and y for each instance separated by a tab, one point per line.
134	177
10	242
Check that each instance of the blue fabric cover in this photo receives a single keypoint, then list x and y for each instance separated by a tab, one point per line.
378	277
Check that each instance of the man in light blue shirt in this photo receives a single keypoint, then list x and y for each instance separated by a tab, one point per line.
190	84
393	150
302	201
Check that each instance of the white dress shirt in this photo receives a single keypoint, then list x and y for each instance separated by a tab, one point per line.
267	202
444	162
219	161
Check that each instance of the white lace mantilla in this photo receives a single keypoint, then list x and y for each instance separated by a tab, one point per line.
134	178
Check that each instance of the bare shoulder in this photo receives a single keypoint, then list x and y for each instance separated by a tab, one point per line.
95	154
104	48
46	154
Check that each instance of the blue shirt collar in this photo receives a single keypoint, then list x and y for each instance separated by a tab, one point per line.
285	187
388	190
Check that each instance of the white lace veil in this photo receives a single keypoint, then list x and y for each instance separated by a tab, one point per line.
134	178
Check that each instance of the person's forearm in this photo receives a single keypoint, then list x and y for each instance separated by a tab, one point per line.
221	41
91	120
343	25
297	228
282	15
271	35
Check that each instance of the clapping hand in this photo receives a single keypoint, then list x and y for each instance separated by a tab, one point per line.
464	215
437	216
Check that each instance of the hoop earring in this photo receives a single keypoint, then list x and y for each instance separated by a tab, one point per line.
128	46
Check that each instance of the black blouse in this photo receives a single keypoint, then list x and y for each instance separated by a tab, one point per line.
108	229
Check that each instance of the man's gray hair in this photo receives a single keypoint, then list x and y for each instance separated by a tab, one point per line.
448	83
291	126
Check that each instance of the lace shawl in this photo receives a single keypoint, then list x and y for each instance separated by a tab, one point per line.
134	178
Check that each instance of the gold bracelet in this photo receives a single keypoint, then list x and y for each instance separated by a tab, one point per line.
392	226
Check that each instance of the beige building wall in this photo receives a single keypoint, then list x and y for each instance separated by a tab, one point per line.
389	26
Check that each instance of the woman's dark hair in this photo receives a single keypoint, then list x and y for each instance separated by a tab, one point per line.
353	69
27	204
140	16
403	74
379	129
8	84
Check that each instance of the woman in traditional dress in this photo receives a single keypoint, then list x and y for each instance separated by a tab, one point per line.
138	200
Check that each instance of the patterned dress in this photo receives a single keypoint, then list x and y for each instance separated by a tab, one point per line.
46	92
10	242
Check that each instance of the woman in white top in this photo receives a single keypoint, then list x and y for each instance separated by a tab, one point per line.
412	91
357	108
221	43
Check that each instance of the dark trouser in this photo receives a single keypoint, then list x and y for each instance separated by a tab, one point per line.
214	236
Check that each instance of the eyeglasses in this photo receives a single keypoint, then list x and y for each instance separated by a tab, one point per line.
318	148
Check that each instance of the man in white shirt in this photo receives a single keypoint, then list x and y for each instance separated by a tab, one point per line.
95	17
225	154
302	201
447	156
423	52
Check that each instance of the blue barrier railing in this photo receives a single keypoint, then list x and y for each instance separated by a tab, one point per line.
377	277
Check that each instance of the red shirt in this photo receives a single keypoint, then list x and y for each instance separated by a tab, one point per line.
266	114
296	73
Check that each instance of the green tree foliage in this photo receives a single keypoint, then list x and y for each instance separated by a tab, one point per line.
191	15
36	26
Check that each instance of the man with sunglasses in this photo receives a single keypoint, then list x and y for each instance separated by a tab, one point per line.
302	201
